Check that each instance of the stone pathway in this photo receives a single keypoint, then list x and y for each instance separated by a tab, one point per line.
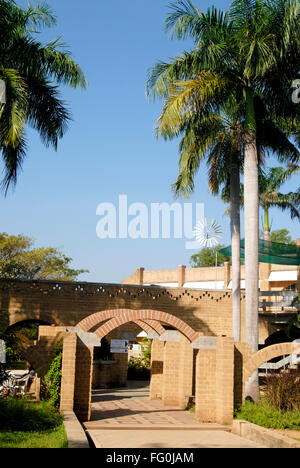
126	418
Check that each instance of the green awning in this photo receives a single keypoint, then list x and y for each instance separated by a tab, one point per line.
271	252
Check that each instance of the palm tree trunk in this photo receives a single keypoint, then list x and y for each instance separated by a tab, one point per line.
251	204
235	250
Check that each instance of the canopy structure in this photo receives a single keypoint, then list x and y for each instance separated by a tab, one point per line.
271	252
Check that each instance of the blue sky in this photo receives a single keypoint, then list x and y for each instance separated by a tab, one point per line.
110	148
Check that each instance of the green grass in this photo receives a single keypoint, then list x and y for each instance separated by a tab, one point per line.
52	438
264	415
191	408
22	415
25	424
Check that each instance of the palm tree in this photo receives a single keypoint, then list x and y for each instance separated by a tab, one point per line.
208	133
215	138
270	181
235	56
31	72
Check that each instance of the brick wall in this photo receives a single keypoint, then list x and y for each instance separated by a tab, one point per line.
106	374
185	364
83	382
68	372
215	383
224	380
157	367
171	374
205	386
77	365
66	304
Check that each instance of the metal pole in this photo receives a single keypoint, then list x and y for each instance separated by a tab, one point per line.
216	269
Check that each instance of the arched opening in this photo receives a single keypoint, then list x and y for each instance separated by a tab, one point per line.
265	355
105	325
283	335
171	360
123	316
18	337
121	359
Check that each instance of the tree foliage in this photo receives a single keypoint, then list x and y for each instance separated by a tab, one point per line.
19	260
207	257
282	236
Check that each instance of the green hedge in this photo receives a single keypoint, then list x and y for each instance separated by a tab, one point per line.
53	377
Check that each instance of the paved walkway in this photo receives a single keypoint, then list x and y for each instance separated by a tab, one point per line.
126	418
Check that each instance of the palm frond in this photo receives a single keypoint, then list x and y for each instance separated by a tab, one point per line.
46	112
13	114
186	97
13	157
186	20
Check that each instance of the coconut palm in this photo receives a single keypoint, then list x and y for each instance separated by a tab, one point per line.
202	122
235	56
31	72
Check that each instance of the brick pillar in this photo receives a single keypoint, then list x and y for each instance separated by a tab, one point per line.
224	380
242	353
139	276
185	370
205	386
157	365
170	387
68	372
83	382
181	275
122	362
264	273
227	274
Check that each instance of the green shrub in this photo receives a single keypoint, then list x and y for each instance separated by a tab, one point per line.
137	370
140	368
146	352
53	378
22	415
265	415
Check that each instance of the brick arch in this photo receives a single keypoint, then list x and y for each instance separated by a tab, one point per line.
144	326
128	315
266	354
157	326
89	322
150	325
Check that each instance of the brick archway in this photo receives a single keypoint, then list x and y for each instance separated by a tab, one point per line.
128	315
147	325
150	325
266	354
